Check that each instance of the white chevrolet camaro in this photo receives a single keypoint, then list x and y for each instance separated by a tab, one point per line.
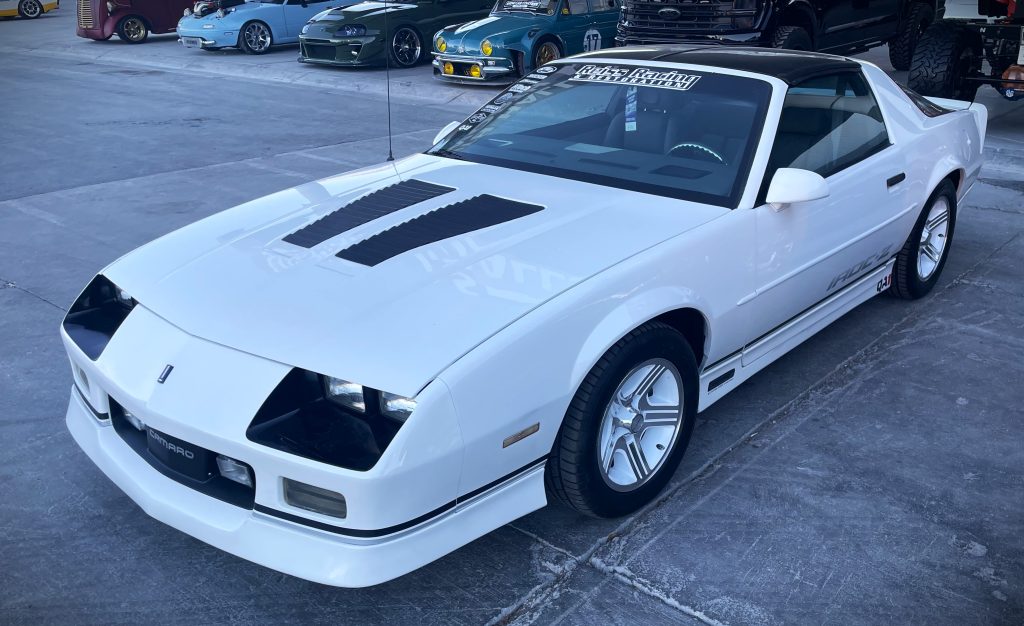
349	379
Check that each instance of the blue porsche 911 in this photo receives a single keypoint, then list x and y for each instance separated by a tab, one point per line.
250	26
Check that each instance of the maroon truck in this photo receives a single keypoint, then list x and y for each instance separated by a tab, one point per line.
130	20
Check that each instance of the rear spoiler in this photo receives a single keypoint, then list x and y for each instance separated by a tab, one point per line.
979	110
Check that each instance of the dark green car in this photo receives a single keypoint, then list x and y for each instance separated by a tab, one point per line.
355	35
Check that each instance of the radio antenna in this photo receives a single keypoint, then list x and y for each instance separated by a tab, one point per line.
388	49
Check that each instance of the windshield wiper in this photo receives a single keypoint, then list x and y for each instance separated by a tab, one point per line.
448	154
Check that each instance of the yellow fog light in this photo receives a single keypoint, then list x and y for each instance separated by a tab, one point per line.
448	69
486	48
474	71
442	45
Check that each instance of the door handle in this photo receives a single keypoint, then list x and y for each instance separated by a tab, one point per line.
895	180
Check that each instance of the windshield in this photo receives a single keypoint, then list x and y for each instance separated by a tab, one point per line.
546	7
677	133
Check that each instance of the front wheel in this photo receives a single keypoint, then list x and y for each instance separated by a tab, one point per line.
255	38
546	52
30	9
923	256
132	29
406	47
628	425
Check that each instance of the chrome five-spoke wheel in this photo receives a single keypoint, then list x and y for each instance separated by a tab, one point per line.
628	424
641	424
933	238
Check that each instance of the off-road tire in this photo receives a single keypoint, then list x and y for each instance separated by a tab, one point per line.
792	38
572	474
944	55
901	47
906	283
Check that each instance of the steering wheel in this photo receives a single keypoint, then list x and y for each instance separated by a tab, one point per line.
698	151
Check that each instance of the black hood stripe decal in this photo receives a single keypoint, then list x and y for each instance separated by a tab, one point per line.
379	203
445	222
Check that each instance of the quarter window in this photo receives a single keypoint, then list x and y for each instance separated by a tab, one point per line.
828	124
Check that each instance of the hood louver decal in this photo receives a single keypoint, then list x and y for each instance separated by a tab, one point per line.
379	203
445	222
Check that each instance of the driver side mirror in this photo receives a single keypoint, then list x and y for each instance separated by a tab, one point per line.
790	186
445	132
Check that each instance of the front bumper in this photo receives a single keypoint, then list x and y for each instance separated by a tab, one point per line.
402	513
346	51
308	553
494	70
208	37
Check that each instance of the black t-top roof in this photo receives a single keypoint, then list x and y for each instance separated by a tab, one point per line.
791	66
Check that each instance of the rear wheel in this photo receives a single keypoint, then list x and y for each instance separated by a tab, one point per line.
923	256
901	47
945	56
792	38
132	29
255	38
627	426
30	9
406	47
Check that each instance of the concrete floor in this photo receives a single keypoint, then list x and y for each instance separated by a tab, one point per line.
873	475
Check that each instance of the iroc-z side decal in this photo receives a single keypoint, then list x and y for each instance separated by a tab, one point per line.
869	263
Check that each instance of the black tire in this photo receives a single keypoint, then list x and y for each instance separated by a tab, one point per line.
405	46
573	474
907	282
255	37
944	56
545	51
132	29
901	47
792	38
30	9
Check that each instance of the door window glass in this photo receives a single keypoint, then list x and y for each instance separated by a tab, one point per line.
578	7
827	125
599	6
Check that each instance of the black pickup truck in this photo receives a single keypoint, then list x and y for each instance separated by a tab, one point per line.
835	26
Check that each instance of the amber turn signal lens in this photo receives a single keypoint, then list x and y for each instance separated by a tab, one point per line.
475	72
448	69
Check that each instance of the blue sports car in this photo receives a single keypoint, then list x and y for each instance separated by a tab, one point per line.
520	36
251	26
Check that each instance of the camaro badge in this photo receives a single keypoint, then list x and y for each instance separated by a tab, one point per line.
164	374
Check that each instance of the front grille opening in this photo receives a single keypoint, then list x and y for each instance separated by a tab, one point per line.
182	461
85	15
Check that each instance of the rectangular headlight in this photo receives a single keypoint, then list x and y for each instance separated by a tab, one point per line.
316	499
345	393
395	406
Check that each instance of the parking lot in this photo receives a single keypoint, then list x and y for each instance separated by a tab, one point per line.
873	475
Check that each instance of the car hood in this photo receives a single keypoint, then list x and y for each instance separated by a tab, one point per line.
233	14
497	28
231	278
363	10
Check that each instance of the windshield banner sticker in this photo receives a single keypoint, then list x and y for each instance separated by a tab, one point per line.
640	76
